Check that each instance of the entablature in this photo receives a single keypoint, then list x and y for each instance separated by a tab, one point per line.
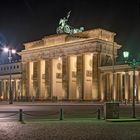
91	45
59	39
117	68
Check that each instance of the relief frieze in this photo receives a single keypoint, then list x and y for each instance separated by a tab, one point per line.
58	51
59	75
89	73
73	74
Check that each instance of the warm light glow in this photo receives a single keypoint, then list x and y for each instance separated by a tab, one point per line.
125	54
59	58
1	97
5	49
13	51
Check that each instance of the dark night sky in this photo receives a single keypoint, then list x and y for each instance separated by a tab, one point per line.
27	20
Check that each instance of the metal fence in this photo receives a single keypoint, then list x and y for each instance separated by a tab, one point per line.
24	115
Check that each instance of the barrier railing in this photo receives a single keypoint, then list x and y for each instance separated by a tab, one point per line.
59	114
11	115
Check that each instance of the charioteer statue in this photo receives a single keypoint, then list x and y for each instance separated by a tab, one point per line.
65	28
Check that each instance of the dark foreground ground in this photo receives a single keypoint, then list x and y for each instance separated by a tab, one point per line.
41	122
81	129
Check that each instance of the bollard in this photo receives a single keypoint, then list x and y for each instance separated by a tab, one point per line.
98	114
61	114
20	115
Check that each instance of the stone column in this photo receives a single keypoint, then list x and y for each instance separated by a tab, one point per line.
36	79
71	77
111	85
137	85
102	90
126	86
87	76
84	77
15	89
1	90
6	89
19	89
41	79
119	87
65	74
107	86
56	80
24	80
115	87
30	79
131	87
95	77
48	74
5	93
123	86
80	92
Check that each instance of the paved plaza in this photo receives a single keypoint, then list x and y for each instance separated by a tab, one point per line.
79	123
69	130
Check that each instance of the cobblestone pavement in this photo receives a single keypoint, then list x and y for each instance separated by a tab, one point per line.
67	130
84	130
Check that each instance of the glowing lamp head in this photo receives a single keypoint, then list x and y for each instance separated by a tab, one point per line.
126	54
13	51
5	49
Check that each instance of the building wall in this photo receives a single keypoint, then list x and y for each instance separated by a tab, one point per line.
123	83
16	80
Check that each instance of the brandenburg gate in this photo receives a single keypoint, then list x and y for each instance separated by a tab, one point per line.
69	66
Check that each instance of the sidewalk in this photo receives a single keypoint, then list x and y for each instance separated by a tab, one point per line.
64	103
43	103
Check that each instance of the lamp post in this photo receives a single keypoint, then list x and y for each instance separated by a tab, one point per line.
133	64
10	52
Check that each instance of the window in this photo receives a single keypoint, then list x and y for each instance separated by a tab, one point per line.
17	66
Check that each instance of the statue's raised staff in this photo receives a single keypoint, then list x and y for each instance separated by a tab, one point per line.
65	28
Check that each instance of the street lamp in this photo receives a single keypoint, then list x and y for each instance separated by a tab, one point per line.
133	64
10	52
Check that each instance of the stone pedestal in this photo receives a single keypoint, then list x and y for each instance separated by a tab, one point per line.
111	110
